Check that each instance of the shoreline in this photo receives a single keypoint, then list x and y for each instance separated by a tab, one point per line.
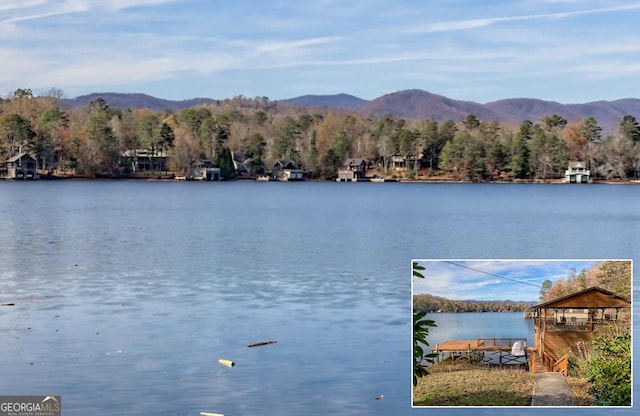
438	180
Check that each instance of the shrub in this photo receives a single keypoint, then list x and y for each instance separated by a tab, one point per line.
609	371
420	331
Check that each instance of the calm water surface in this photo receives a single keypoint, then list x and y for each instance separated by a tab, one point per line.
453	326
127	293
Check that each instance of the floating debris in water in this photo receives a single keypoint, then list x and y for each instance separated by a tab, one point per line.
260	344
8	304
381	397
211	414
226	363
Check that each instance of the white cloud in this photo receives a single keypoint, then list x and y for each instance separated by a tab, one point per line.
101	41
273	46
59	8
491	280
48	8
456	25
127	4
20	4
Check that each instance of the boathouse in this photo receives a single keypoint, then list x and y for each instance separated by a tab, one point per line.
352	170
561	323
20	166
286	170
204	170
577	172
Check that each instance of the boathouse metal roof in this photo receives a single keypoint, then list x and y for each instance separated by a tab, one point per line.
592	297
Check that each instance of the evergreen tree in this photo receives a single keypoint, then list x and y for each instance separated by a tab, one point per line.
225	162
629	128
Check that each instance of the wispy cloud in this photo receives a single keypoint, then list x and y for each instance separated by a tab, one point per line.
491	280
127	4
357	48
58	9
456	25
20	4
274	46
49	8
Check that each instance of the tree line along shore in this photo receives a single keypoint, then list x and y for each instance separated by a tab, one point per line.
247	137
432	303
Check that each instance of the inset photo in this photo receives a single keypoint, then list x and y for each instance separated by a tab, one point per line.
522	333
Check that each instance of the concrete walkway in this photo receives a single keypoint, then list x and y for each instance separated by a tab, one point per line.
551	389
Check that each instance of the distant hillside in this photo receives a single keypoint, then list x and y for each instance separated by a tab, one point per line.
423	104
412	103
516	110
432	303
122	101
345	101
416	103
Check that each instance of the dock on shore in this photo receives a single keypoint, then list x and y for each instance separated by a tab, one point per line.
490	352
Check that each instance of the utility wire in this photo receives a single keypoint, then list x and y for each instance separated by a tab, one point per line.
495	275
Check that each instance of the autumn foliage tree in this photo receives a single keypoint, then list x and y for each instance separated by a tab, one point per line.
93	139
611	275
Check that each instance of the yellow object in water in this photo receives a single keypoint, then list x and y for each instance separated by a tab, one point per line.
226	363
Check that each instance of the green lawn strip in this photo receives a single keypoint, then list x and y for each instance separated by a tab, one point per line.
465	385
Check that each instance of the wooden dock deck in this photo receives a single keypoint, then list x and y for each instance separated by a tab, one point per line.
491	351
477	345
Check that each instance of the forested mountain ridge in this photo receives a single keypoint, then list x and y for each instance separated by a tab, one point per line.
413	103
95	139
432	303
134	101
345	101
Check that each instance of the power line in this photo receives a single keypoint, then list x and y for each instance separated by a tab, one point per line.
494	275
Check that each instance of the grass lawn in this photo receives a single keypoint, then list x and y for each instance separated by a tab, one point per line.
468	385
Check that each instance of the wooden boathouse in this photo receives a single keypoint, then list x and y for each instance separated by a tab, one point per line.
561	323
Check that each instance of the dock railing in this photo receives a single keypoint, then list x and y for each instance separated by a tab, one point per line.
499	342
567	325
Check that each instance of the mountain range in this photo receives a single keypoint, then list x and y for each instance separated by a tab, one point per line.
414	103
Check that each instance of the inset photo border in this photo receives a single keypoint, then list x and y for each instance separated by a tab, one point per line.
522	332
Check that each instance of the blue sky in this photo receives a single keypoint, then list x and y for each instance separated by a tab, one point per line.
562	50
515	280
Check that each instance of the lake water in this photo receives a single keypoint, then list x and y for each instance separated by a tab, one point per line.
456	326
127	293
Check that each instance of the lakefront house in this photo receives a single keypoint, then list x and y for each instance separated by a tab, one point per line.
145	160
